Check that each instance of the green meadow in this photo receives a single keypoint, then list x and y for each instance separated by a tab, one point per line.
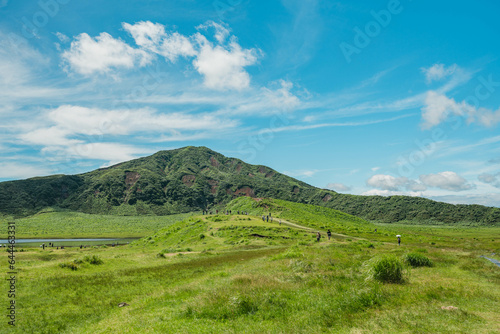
67	224
239	274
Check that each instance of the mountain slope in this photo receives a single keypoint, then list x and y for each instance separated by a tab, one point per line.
195	178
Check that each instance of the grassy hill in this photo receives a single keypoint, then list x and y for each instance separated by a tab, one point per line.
236	273
195	178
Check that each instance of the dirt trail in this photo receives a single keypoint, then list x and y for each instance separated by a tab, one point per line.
313	230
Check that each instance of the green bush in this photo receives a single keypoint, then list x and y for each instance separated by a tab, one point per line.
94	259
69	265
417	260
388	269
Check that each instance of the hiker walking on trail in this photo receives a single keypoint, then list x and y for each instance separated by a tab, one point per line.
329	234
318	236
399	239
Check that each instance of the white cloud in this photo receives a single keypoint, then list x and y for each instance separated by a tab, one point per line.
374	169
112	152
282	98
75	131
438	72
446	180
482	199
487	117
92	121
338	187
277	98
13	170
386	182
223	66
378	192
415	186
395	184
493	179
153	37
438	107
89	55
221	31
51	136
62	37
301	173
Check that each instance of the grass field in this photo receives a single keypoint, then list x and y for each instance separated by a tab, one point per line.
238	274
65	224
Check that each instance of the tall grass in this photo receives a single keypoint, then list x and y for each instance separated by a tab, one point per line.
417	260
388	269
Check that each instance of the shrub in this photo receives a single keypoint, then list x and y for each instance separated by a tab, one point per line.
70	265
388	269
417	260
94	259
202	236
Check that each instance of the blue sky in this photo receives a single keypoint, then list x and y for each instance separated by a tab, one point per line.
366	97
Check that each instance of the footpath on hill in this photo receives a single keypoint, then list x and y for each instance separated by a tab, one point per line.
313	230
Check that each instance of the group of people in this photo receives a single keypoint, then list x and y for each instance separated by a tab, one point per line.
51	244
226	212
328	233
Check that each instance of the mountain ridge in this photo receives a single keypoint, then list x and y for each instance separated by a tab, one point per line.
195	178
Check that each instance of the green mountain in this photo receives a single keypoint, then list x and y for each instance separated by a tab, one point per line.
196	178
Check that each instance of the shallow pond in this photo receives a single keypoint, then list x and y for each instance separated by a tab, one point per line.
69	242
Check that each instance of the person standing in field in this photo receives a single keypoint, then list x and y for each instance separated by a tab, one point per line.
399	240
329	234
318	236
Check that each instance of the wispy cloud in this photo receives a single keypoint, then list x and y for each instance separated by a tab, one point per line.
438	72
15	170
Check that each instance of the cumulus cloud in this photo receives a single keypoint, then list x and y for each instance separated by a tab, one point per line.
390	184
338	187
153	38
223	66
386	182
446	180
438	72
89	55
438	107
222	62
493	179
